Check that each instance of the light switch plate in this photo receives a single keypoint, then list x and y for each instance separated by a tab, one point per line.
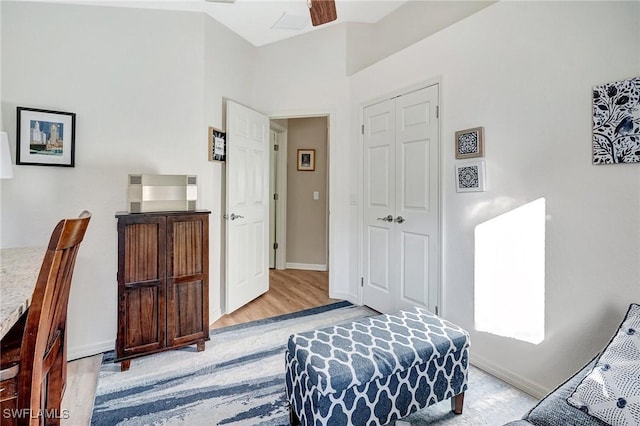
316	195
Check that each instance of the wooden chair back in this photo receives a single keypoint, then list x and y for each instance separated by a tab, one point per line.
42	357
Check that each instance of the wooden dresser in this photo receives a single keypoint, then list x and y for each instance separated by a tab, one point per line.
163	282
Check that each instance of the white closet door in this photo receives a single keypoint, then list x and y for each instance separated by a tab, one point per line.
379	206
416	200
401	202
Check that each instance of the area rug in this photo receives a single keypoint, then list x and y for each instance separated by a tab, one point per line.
239	380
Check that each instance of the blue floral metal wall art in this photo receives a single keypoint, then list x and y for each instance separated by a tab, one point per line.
616	122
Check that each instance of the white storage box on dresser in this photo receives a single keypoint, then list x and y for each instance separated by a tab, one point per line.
156	193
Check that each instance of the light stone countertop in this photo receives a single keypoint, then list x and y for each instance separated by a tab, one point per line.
19	268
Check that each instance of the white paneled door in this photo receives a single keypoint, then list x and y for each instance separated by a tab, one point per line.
401	202
247	206
379	205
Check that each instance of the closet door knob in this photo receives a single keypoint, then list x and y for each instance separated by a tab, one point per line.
387	218
399	219
233	216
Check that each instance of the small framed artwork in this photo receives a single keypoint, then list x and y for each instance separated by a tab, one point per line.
217	145
470	143
306	160
470	176
45	138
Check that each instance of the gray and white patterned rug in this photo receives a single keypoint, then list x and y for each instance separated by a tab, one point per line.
239	380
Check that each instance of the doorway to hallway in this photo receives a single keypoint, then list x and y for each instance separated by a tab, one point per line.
299	182
290	291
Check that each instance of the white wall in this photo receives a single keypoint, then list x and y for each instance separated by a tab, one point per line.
1	122
369	43
524	71
136	80
305	76
228	62
307	217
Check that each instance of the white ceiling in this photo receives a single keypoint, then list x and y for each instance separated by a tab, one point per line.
253	19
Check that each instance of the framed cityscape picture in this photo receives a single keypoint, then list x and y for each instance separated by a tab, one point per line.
45	138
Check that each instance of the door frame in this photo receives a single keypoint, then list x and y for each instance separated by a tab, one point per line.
383	97
331	132
281	190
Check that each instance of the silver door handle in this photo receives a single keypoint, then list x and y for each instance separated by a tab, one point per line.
399	219
233	216
387	218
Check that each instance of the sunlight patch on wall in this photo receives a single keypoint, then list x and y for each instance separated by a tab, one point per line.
510	273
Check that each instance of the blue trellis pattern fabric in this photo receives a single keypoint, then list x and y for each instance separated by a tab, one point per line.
611	391
375	370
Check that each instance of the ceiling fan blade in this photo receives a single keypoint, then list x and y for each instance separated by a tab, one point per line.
322	11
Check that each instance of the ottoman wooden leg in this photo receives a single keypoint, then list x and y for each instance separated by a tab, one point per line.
293	418
456	403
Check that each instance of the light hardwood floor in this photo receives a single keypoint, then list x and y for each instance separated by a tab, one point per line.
289	291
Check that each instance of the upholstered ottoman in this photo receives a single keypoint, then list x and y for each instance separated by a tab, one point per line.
375	370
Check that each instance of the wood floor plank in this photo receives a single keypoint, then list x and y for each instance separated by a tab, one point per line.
291	290
82	379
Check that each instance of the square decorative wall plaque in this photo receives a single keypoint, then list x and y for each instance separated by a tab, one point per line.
470	176
616	122
470	143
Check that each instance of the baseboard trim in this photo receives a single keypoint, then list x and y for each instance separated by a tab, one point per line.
344	296
306	266
90	350
215	316
525	385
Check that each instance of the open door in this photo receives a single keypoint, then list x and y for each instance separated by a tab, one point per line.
247	215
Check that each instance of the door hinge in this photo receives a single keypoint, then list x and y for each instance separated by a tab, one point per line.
361	281
275	197
276	147
275	246
362	130
437	111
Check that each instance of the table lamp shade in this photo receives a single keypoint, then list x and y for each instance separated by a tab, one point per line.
6	169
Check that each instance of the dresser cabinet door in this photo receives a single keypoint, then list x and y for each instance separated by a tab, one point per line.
187	279
141	282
